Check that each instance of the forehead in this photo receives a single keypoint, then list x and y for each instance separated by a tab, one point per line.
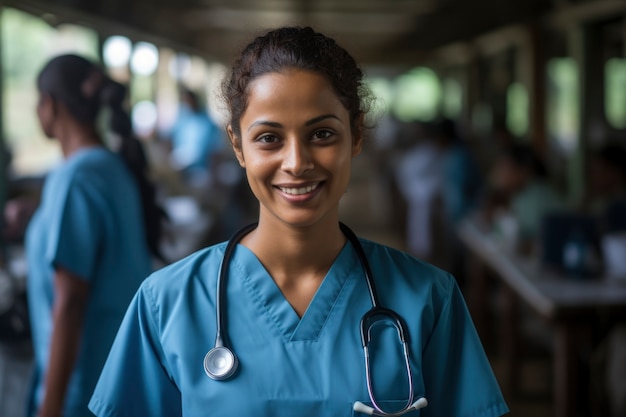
281	91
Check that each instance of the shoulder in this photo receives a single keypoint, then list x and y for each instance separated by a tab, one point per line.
89	164
405	272
90	157
197	271
89	173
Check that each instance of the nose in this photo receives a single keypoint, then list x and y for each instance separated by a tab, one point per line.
297	157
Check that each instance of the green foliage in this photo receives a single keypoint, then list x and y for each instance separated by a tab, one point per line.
563	102
27	43
24	38
615	92
517	104
417	95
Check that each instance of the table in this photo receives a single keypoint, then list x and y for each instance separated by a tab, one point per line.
569	305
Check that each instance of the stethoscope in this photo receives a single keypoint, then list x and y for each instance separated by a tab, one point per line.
221	363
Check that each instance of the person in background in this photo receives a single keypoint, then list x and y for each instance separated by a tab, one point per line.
605	194
519	186
420	178
461	178
88	244
295	290
461	185
195	138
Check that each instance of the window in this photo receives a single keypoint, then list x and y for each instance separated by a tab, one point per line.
417	95
563	103
615	92
27	43
452	98
517	109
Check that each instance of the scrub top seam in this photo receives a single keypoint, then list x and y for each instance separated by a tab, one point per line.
155	344
444	306
338	297
257	299
76	186
341	281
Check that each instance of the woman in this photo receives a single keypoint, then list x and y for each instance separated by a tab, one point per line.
87	246
296	289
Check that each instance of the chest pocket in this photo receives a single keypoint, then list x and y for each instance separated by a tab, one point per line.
389	406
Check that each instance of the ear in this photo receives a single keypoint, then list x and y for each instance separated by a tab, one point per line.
357	136
236	146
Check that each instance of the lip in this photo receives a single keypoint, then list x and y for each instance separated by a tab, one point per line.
299	192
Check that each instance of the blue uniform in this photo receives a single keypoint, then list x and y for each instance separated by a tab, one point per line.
89	222
195	137
313	366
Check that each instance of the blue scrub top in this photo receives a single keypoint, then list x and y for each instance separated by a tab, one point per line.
313	366
90	222
194	138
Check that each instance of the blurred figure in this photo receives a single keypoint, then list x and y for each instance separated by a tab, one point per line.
419	178
17	214
605	194
492	143
461	184
195	138
520	195
88	244
460	173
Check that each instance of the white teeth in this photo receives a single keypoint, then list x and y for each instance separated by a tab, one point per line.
299	191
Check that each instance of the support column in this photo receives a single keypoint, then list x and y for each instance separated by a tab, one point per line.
4	184
537	89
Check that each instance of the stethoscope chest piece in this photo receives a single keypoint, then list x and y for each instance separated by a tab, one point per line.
220	363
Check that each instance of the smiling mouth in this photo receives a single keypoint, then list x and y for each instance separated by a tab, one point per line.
299	190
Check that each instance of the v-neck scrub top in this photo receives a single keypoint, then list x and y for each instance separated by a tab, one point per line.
291	366
89	222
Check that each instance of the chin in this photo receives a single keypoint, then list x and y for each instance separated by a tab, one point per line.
303	221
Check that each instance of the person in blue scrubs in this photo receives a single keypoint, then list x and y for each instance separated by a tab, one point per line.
87	245
296	290
195	139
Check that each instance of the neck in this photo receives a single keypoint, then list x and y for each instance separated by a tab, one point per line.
294	250
73	134
297	258
75	140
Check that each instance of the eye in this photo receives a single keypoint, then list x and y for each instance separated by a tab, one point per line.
267	138
322	134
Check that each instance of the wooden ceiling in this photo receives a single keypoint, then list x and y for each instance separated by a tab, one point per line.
374	31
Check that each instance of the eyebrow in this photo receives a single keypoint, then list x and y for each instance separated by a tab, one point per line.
307	123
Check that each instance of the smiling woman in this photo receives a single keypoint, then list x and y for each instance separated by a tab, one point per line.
296	145
295	295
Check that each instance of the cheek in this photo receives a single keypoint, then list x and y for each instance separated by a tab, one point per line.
44	119
258	169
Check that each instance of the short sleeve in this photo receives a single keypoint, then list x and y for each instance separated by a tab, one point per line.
135	380
75	226
457	375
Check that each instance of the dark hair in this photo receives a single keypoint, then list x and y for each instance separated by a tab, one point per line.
613	155
525	157
84	89
190	97
299	48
